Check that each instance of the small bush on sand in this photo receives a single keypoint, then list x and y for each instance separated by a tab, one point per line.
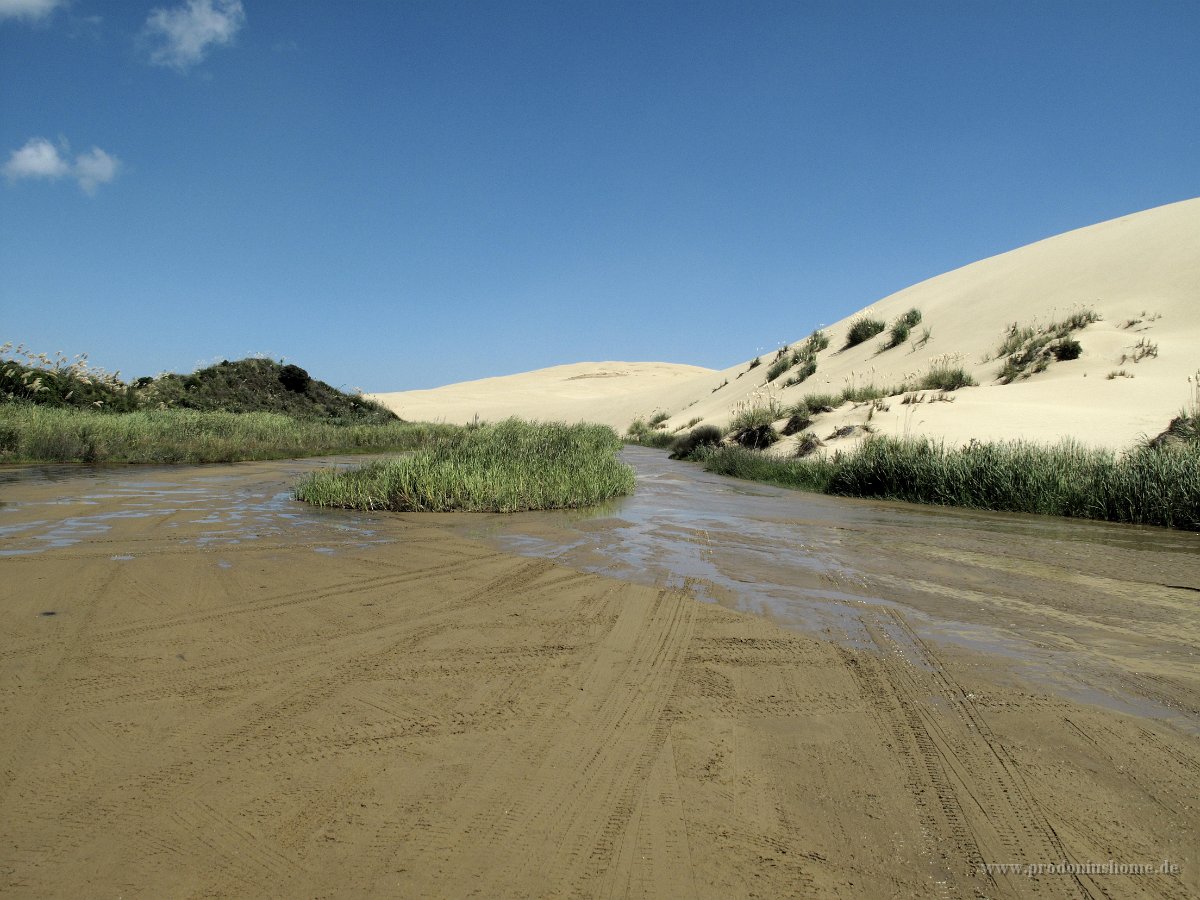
1027	350
797	422
756	437
1067	348
808	443
900	329
944	375
755	412
779	366
862	329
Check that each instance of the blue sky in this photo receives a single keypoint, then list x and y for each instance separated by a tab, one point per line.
404	194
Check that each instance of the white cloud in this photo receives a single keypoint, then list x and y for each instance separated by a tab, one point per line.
41	159
37	159
95	168
188	32
28	9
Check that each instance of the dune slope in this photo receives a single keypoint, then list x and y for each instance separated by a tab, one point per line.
1139	273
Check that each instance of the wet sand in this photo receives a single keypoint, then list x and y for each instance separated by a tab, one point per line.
236	695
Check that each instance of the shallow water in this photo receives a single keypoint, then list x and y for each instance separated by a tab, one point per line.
1068	604
1101	612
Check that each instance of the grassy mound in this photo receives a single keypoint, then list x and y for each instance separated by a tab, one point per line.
507	467
1150	485
260	385
33	433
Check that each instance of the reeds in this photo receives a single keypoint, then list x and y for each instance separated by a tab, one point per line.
1148	485
507	467
35	433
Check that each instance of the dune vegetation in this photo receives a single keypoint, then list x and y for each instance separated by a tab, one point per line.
34	433
63	409
1153	484
507	467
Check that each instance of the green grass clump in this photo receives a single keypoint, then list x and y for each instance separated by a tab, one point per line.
755	414
1027	350
738	462
1150	485
780	365
648	435
944	375
804	356
808	368
862	329
815	403
36	433
507	467
901	328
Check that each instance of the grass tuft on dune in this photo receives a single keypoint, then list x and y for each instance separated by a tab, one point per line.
507	467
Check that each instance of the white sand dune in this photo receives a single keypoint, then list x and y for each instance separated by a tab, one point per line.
1140	272
605	392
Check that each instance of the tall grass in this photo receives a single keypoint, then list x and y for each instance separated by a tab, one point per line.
507	467
1148	485
35	433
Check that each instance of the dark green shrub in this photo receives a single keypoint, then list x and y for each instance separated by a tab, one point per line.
704	436
294	379
757	437
1067	348
807	444
797	422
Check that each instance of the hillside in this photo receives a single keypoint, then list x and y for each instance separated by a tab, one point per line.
244	386
259	385
1139	274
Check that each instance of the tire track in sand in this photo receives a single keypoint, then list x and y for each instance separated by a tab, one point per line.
522	828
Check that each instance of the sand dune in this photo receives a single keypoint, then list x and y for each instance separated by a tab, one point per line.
1140	272
603	392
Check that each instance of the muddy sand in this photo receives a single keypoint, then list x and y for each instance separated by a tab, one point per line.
210	691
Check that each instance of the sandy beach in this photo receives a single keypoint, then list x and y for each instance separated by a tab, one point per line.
212	691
